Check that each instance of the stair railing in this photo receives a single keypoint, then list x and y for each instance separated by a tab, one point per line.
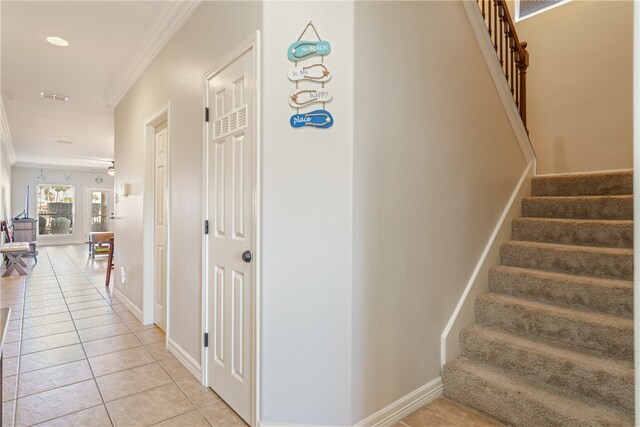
511	52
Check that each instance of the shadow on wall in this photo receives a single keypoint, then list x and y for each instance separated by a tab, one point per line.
5	208
560	154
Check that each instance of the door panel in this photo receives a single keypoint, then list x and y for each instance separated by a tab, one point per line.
230	209
160	228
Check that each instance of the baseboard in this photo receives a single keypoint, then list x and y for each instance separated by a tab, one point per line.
189	362
127	303
490	255
404	406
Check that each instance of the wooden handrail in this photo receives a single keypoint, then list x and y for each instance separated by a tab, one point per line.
511	52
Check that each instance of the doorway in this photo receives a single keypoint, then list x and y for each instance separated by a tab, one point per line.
157	221
231	200
98	210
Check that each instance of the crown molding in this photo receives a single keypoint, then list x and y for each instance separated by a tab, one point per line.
173	17
5	134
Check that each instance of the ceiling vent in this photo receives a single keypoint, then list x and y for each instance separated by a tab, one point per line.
54	96
62	141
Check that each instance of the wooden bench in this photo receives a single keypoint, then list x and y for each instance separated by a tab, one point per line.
98	239
14	252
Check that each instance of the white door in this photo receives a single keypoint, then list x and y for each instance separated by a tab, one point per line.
98	210
160	228
231	140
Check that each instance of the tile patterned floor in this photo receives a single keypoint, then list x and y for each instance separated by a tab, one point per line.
443	412
75	356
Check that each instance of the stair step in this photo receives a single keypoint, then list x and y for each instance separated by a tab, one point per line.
583	184
590	332
605	380
583	232
585	207
607	263
516	402
614	297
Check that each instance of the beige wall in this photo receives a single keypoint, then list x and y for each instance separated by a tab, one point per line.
435	162
307	226
175	76
81	180
580	85
5	184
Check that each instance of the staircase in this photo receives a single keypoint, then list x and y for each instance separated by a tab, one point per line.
553	342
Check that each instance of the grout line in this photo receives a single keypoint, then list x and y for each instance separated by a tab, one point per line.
111	302
18	374
75	412
95	382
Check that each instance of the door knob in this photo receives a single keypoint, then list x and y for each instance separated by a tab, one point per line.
246	256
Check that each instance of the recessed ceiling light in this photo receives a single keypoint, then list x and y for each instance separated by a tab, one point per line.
57	41
54	96
63	141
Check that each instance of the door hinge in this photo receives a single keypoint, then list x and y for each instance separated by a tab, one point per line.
206	114
206	227
206	339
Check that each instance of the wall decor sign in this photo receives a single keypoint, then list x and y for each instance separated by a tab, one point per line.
302	49
318	118
315	72
313	75
302	97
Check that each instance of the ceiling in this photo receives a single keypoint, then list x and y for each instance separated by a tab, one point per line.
110	44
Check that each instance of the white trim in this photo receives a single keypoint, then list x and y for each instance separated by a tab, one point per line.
502	87
5	135
251	43
92	169
127	303
479	265
173	17
405	405
183	357
148	264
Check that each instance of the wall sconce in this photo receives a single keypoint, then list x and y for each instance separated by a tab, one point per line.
112	169
41	177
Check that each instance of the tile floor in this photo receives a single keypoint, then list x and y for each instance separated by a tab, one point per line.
443	412
75	356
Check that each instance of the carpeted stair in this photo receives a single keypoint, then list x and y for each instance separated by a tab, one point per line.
553	342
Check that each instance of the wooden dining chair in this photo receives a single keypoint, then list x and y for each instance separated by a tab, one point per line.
109	262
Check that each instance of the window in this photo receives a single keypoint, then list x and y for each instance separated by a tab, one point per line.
56	205
527	8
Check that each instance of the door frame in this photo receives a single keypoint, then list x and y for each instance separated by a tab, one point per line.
148	215
88	215
251	43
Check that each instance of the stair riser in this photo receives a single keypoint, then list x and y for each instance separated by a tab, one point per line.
616	208
617	301
611	235
581	185
595	338
570	261
513	408
606	386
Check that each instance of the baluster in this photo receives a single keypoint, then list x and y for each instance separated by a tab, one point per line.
511	63
489	21
483	3
517	79
495	24
524	63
